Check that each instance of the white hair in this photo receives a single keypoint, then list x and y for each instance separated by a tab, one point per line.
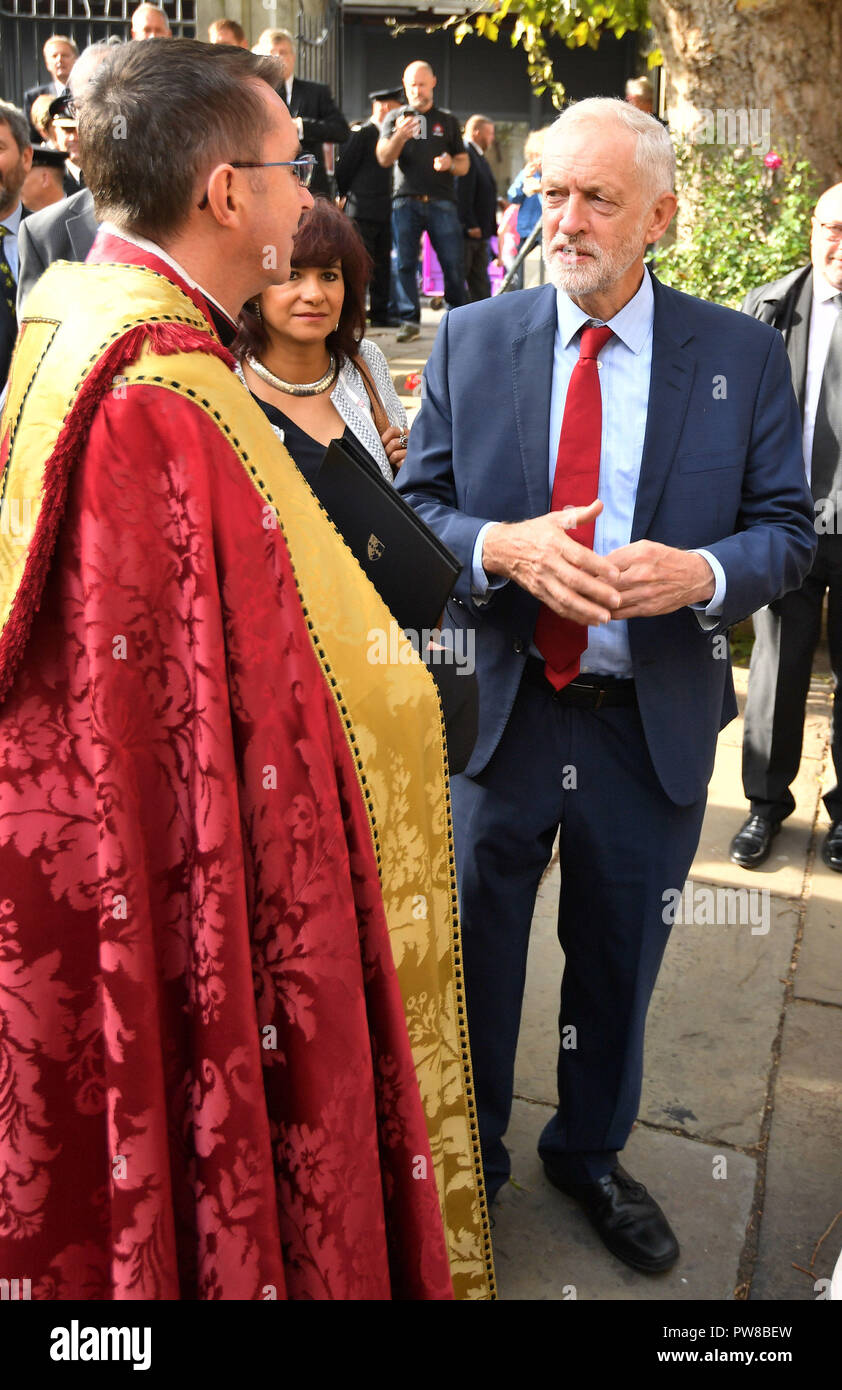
654	156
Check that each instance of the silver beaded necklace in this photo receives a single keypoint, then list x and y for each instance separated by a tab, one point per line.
294	388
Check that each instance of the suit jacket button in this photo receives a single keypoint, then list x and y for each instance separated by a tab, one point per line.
519	645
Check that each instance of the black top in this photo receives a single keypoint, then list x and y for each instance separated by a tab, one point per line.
367	185
306	452
414	172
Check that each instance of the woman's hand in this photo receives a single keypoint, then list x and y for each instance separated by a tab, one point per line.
394	441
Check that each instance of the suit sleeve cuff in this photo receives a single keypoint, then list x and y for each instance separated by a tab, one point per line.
481	586
708	614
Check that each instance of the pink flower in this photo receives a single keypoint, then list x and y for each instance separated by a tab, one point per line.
413	382
772	160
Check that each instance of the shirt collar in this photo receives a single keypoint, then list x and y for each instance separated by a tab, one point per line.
12	220
822	291
631	325
162	255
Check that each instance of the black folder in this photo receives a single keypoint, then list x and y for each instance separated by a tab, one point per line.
412	571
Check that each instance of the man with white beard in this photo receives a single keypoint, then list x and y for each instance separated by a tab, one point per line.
618	466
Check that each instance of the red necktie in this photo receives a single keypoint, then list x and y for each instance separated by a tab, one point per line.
559	640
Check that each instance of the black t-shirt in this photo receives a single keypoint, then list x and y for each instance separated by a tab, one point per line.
414	172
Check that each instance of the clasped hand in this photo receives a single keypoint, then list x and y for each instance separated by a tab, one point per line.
638	580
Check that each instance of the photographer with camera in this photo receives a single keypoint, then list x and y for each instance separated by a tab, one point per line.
425	144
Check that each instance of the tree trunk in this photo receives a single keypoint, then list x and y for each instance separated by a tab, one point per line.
756	71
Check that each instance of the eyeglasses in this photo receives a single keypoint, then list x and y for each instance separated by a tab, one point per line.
302	169
832	230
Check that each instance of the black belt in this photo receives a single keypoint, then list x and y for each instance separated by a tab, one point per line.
585	692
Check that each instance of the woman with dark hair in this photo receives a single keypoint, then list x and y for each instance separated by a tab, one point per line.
303	356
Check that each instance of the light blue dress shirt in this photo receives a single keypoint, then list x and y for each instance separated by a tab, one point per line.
10	240
625	365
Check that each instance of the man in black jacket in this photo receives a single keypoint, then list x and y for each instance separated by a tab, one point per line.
476	201
316	115
806	306
366	188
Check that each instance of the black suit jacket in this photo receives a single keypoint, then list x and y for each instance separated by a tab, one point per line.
8	320
476	195
360	179
63	232
321	122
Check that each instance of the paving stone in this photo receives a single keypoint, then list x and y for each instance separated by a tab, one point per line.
715	1013
783	871
819	973
544	1246
803	1180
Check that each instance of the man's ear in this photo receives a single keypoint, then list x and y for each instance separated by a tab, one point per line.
660	216
222	196
27	158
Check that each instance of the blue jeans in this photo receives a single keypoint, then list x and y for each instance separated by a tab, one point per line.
440	221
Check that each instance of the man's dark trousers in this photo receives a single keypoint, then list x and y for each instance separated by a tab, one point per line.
476	269
786	636
438	218
377	239
623	844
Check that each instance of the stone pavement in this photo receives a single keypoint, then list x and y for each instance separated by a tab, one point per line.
740	1125
740	1128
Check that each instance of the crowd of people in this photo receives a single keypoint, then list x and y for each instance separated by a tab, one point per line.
262	957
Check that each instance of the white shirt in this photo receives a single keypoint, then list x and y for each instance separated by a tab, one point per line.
822	319
145	245
10	241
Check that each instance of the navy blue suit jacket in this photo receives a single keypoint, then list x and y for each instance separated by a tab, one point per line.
722	468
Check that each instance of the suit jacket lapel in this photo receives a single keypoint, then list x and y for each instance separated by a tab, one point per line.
532	375
796	334
293	97
673	369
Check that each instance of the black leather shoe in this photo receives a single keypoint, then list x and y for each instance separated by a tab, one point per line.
753	841
628	1221
832	847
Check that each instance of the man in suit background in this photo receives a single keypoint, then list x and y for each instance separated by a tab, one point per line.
476	201
227	31
366	190
66	231
15	164
615	511
805	306
317	117
60	53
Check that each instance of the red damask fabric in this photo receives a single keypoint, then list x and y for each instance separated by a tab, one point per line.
206	1086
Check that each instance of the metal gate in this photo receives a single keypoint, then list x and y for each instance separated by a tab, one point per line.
25	26
320	47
